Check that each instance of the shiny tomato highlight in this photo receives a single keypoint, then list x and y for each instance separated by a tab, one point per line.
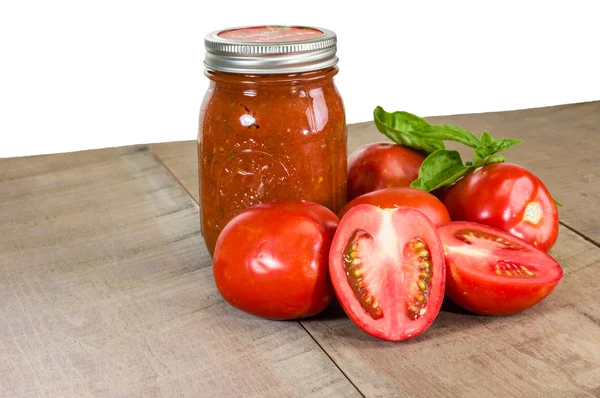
508	197
381	165
271	260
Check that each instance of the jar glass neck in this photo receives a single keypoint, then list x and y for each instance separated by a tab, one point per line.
272	79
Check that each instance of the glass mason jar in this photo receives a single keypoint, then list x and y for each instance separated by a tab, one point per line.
272	123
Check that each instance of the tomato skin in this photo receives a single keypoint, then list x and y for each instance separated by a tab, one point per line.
381	165
389	198
388	275
272	259
484	292
508	197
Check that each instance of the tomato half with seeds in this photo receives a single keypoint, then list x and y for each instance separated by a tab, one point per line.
382	165
491	272
271	260
508	197
390	198
387	269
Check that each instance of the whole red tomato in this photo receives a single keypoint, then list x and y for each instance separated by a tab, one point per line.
271	260
381	165
390	198
508	197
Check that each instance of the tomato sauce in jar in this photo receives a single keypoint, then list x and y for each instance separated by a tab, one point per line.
272	123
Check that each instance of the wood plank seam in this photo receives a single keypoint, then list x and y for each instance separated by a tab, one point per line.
581	234
331	359
170	172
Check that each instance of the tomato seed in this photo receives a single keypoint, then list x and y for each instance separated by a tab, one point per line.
504	268
352	262
417	253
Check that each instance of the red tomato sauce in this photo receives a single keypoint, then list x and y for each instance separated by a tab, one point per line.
269	137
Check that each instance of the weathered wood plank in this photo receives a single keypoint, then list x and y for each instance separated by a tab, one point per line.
106	289
559	148
552	349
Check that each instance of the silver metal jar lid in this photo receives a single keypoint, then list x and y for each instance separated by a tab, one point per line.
270	49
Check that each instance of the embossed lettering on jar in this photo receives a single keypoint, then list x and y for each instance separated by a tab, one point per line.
272	124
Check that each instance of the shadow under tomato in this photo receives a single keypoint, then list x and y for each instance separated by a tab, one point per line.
450	306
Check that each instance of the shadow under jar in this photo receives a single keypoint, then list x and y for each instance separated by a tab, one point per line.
272	123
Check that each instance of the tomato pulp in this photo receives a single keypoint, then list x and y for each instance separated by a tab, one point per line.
491	272
390	198
508	197
381	165
388	271
271	259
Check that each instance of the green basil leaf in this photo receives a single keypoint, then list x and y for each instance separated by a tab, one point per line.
504	144
486	138
402	128
495	159
447	132
482	152
442	167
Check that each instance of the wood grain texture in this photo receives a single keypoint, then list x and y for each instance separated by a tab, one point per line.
106	289
560	148
551	350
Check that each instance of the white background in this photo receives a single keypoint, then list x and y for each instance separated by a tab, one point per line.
90	74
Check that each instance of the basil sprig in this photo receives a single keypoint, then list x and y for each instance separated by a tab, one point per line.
442	167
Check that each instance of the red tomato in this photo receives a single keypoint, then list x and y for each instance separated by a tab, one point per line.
387	268
491	272
271	259
507	197
390	198
381	165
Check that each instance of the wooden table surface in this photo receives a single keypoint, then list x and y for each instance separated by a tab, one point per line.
106	288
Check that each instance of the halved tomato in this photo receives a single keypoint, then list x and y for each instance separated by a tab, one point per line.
387	269
491	272
389	198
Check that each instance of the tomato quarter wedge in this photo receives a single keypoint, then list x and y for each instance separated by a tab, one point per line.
491	272
387	269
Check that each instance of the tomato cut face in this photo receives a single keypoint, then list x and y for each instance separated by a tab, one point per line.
387	269
491	272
